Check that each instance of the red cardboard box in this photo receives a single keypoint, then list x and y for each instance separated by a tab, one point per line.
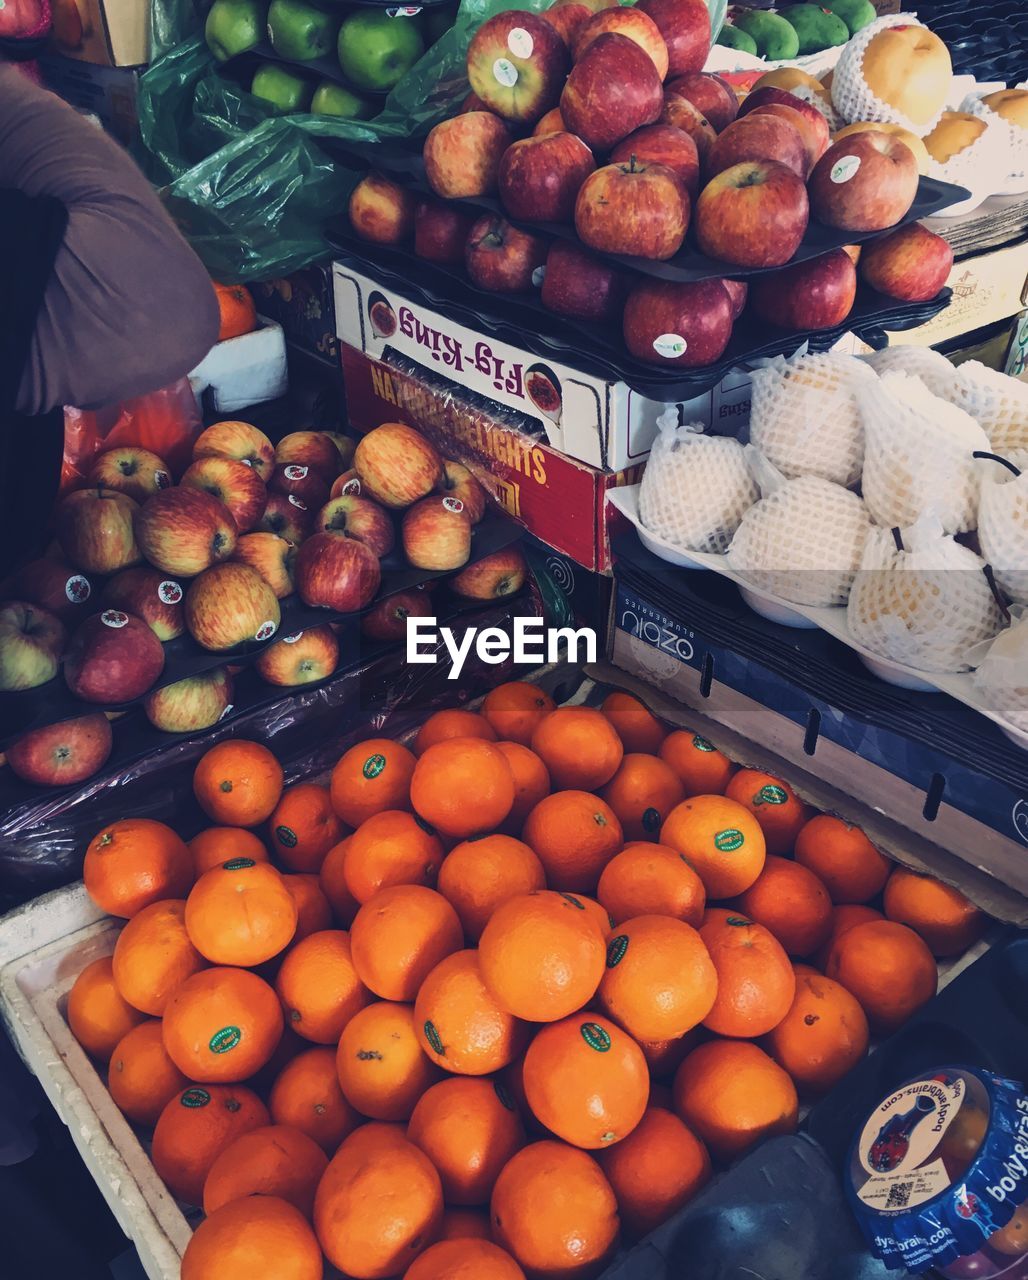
560	500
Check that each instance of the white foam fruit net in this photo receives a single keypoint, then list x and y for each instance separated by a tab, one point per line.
999	404
923	604
1014	172
942	378
695	488
981	167
853	98
1001	676
919	456
805	417
803	540
1003	524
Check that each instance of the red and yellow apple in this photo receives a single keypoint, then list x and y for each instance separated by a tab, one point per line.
760	139
685	27
31	644
299	659
578	284
437	534
688	325
192	704
96	529
462	155
493	577
667	145
500	258
458	482
233	483
635	208
184	531
712	97
113	658
296	480
815	139
381	211
551	122
911	264
816	294
287	516
613	89
132	470
516	65
683	115
540	177
54	585
866	182
360	519
440	234
239	440
229	605
396	465
752	215
63	754
629	22
387	619
151	595
318	450
271	556
337	573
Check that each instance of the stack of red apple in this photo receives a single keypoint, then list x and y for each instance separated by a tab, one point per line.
632	144
247	525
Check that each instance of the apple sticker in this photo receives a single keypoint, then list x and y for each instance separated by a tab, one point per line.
114	618
265	630
505	72
538	276
295	472
352	486
298	502
453	504
227	711
520	43
670	345
293	638
169	592
162	480
78	589
845	168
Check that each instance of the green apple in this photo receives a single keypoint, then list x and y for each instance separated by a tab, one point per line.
333	100
233	26
376	51
300	31
283	90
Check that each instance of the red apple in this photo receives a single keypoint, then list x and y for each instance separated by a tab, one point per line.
772	95
132	470
635	208
437	534
500	258
237	440
629	22
63	754
337	573
113	658
318	450
288	516
396	465
817	294
911	264
815	141
472	102
685	26
296	480
387	620
501	574
759	138
540	177
271	556
192	704
738	292
678	324
381	211
301	658
752	215
151	595
183	531
516	64
551	122
350	481
667	145
613	89
462	155
458	482
95	528
866	182
680	112
440	234
577	284
233	483
55	586
357	518
712	97
31	643
230	604
567	17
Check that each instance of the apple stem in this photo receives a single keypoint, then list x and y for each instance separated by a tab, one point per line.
994	457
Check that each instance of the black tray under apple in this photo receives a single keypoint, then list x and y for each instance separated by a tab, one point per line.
599	349
407	167
242	66
52	702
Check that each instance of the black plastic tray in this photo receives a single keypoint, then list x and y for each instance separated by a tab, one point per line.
689	264
599	349
242	66
52	702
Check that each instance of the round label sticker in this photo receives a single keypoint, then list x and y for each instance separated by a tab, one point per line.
293	638
538	276
728	841
113	618
670	345
505	72
295	472
297	502
520	43
845	168
225	1040
162	480
453	504
238	864
195	1098
595	1037
169	592
287	836
902	1133
78	588
373	766
770	794
247	462
227	711
352	486
265	630
616	950
432	1036
701	744
737	922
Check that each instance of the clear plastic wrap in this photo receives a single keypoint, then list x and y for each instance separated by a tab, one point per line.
1001	671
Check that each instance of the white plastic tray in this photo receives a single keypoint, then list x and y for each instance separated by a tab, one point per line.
832	620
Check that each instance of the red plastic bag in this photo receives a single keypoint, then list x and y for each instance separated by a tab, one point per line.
166	422
24	19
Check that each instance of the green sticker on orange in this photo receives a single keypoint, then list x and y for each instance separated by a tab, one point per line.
738	922
574	901
501	1092
616	950
238	864
434	1039
595	1037
729	840
651	819
194	1098
287	836
373	766
770	794
225	1040
702	744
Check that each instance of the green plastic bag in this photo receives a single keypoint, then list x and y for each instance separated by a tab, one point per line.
172	22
